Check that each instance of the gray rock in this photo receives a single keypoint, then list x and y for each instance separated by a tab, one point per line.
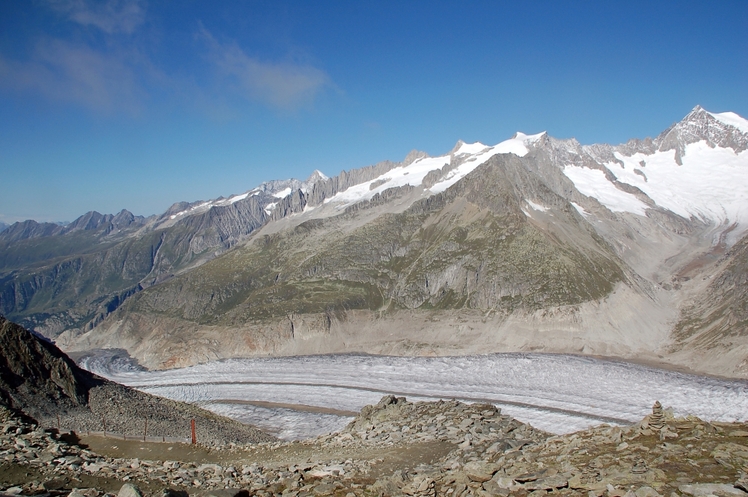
705	489
479	471
547	483
493	488
647	492
129	490
170	492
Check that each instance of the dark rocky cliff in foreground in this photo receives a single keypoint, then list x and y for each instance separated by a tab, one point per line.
39	380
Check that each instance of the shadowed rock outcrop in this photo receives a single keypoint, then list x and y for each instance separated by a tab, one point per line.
37	379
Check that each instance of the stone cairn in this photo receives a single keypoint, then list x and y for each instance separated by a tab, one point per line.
657	419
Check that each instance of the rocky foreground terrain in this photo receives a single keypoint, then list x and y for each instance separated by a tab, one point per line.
398	448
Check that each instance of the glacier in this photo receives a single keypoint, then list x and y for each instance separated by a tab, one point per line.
305	396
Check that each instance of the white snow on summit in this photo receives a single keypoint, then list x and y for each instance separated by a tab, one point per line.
206	206
193	210
710	185
283	193
470	148
516	145
472	155
236	198
412	174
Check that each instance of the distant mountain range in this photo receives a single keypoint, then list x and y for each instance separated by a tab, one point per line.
636	251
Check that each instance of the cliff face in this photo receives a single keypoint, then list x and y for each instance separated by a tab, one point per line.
36	378
34	372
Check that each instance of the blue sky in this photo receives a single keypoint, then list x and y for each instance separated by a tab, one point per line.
139	104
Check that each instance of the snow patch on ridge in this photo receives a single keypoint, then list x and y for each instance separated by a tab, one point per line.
193	210
580	209
237	198
414	173
731	119
535	206
516	146
593	183
283	193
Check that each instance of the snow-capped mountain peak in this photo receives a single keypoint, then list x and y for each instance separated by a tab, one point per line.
726	130
699	170
467	148
435	174
317	175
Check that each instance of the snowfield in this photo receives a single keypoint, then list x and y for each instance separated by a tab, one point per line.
711	184
301	397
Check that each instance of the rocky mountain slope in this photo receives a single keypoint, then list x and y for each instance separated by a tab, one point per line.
54	278
531	244
40	381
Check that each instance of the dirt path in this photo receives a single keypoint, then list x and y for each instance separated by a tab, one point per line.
384	459
154	451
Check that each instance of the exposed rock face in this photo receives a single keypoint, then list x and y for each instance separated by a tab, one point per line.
700	125
34	371
39	380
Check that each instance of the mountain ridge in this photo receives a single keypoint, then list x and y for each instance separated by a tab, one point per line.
517	236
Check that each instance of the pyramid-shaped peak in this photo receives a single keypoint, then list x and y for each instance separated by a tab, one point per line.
699	116
413	156
316	175
725	130
457	147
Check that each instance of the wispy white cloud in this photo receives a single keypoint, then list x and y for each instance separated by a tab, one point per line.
116	74
111	16
285	85
62	71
